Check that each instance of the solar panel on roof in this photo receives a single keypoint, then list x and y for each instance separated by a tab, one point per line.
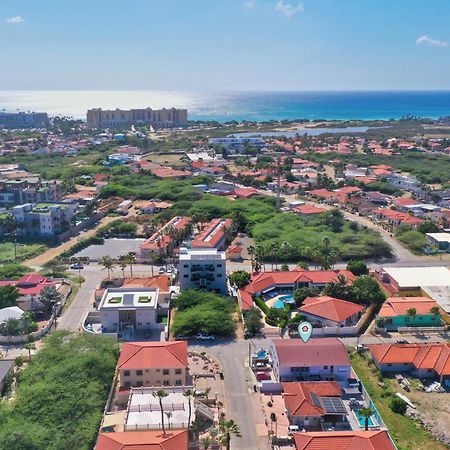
333	405
315	399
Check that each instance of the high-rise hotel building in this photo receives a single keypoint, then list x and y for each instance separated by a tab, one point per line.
116	118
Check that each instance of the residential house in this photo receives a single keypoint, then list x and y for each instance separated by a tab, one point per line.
143	440
308	210
440	240
327	311
345	440
311	404
203	269
318	359
420	360
153	364
403	312
396	218
234	252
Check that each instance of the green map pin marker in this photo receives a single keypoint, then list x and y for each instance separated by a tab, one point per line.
305	330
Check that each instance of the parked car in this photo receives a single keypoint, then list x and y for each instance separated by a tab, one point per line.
402	341
293	429
77	266
161	270
205	337
260	376
182	337
262	366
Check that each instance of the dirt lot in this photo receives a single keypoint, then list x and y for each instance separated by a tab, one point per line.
166	160
433	409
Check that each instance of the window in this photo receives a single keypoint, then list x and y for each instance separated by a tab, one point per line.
165	371
166	383
127	384
126	373
138	372
219	275
178	383
158	370
139	383
325	367
186	276
139	323
185	266
219	265
389	365
177	371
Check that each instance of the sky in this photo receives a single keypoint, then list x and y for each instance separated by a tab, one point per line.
211	45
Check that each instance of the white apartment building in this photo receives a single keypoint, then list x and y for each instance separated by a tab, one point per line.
203	269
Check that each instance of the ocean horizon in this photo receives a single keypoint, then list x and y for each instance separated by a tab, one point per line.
239	105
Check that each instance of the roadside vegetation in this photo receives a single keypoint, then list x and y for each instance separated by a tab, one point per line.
61	395
24	250
407	433
203	312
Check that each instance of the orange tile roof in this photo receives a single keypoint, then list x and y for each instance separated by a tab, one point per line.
162	282
399	216
398	306
246	192
143	440
422	356
246	300
404	201
265	280
160	239
212	234
298	399
145	355
323	193
330	308
309	209
344	440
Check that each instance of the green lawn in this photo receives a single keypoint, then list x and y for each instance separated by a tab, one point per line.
24	251
407	433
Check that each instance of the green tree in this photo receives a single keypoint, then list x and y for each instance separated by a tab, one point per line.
55	268
302	293
428	227
8	295
160	394
339	288
49	297
357	267
252	320
365	290
189	394
123	264
10	327
411	312
29	346
239	220
435	310
240	278
398	405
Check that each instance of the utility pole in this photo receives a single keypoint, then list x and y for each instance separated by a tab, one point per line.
278	199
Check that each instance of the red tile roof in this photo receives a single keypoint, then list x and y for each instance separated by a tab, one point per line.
265	280
344	440
315	352
147	355
30	284
404	201
330	308
298	399
213	234
398	306
246	300
143	440
161	239
322	193
421	356
162	282
309	209
246	192
398	216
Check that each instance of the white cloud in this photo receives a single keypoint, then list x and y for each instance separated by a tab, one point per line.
15	19
430	42
288	9
249	4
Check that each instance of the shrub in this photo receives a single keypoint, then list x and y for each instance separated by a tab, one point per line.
262	305
398	405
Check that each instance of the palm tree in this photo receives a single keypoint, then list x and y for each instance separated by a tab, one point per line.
29	346
228	428
366	413
168	415
123	263
285	248
251	252
108	264
152	260
206	442
131	259
274	254
160	394
435	310
259	256
189	394
411	312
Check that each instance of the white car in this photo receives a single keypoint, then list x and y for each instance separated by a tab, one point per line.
205	337
161	270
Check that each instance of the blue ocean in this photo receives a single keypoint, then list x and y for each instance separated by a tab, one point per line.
224	106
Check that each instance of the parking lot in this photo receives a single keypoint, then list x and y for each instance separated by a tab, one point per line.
111	247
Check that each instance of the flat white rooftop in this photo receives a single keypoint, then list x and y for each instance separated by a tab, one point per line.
440	237
187	254
120	298
419	276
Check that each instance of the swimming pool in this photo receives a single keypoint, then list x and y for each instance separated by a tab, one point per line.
287	298
261	354
362	420
279	304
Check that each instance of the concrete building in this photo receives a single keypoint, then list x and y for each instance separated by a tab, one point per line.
407	183
29	190
153	364
323	359
128	309
203	269
235	144
441	240
117	118
44	219
23	120
214	234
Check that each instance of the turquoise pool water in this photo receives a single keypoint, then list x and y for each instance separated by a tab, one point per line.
287	298
261	354
279	304
362	419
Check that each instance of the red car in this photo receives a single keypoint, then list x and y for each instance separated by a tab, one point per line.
262	376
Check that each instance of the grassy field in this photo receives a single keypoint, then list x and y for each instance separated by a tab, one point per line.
407	433
24	251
